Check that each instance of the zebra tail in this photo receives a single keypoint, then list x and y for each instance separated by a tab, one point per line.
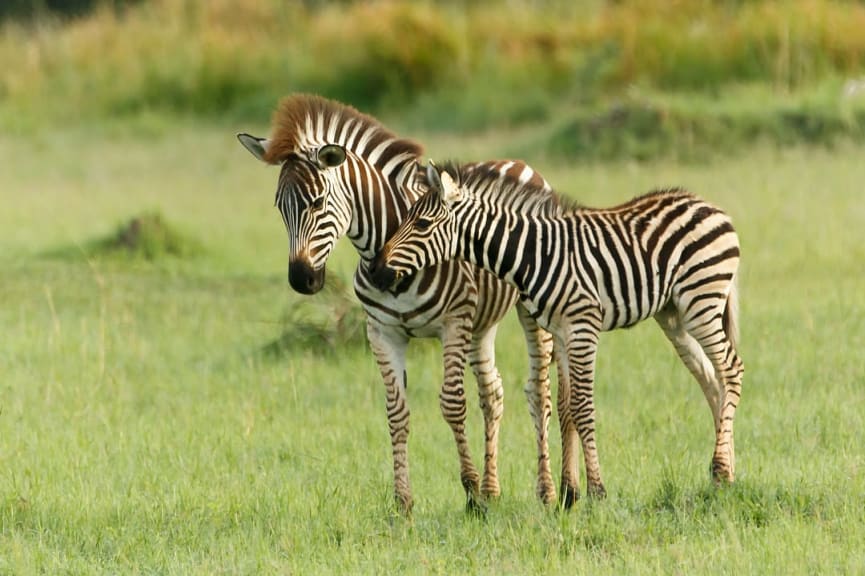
731	314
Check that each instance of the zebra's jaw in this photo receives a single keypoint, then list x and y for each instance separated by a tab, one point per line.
383	276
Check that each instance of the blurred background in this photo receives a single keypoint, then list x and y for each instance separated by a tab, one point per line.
588	80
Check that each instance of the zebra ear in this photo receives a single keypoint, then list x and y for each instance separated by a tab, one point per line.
257	146
432	177
450	190
444	185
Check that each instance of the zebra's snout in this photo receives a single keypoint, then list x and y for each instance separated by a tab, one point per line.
304	278
383	277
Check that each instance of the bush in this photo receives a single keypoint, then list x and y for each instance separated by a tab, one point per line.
147	236
695	128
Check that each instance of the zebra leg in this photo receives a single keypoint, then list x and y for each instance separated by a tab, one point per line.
389	348
570	439
491	394
452	400
581	351
707	327
537	390
694	358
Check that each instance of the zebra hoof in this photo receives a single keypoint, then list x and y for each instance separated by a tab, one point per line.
597	492
570	495
546	494
721	474
404	504
476	507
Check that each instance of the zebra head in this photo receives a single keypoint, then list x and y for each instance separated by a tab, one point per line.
428	234
314	217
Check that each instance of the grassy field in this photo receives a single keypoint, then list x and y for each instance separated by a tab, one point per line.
144	430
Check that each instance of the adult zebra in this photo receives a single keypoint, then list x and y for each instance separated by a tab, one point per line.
667	255
343	173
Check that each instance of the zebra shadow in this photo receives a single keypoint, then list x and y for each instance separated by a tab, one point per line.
745	502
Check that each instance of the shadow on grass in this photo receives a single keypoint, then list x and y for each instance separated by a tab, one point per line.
744	502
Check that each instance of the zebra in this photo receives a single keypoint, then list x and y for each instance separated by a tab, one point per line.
343	173
580	271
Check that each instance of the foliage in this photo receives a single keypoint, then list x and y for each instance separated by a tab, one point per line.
470	65
330	322
23	10
695	128
146	236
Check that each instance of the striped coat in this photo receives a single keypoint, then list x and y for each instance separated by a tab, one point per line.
580	271
343	174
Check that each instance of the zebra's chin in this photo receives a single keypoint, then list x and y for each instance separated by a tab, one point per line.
383	276
305	279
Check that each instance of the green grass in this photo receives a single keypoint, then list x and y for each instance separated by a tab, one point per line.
144	428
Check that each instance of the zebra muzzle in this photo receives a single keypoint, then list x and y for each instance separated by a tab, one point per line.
383	276
304	278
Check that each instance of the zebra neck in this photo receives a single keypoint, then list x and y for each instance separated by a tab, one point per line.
381	200
509	246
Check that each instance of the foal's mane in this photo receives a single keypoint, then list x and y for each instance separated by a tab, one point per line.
533	196
303	121
493	188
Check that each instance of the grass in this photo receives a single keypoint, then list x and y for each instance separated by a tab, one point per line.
143	430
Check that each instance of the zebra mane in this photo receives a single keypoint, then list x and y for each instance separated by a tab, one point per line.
491	186
305	121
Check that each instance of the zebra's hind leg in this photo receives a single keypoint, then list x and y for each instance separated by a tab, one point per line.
694	358
537	389
389	348
491	394
452	401
707	326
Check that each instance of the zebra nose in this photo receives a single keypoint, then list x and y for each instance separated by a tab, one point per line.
304	278
382	276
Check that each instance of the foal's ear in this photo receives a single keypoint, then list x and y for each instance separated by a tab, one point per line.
450	190
444	185
257	146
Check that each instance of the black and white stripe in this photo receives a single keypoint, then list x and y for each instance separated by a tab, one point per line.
342	173
580	271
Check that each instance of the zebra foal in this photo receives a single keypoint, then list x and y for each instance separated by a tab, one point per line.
344	174
581	271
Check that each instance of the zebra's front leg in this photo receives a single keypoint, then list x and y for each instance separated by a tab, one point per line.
570	484
582	347
389	346
452	400
491	393
537	389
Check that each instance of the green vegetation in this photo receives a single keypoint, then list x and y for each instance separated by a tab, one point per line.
144	428
461	66
332	322
146	236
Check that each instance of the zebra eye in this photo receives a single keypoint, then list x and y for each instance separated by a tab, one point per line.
422	223
331	156
318	203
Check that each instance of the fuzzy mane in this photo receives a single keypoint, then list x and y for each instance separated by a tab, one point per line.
305	121
532	196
